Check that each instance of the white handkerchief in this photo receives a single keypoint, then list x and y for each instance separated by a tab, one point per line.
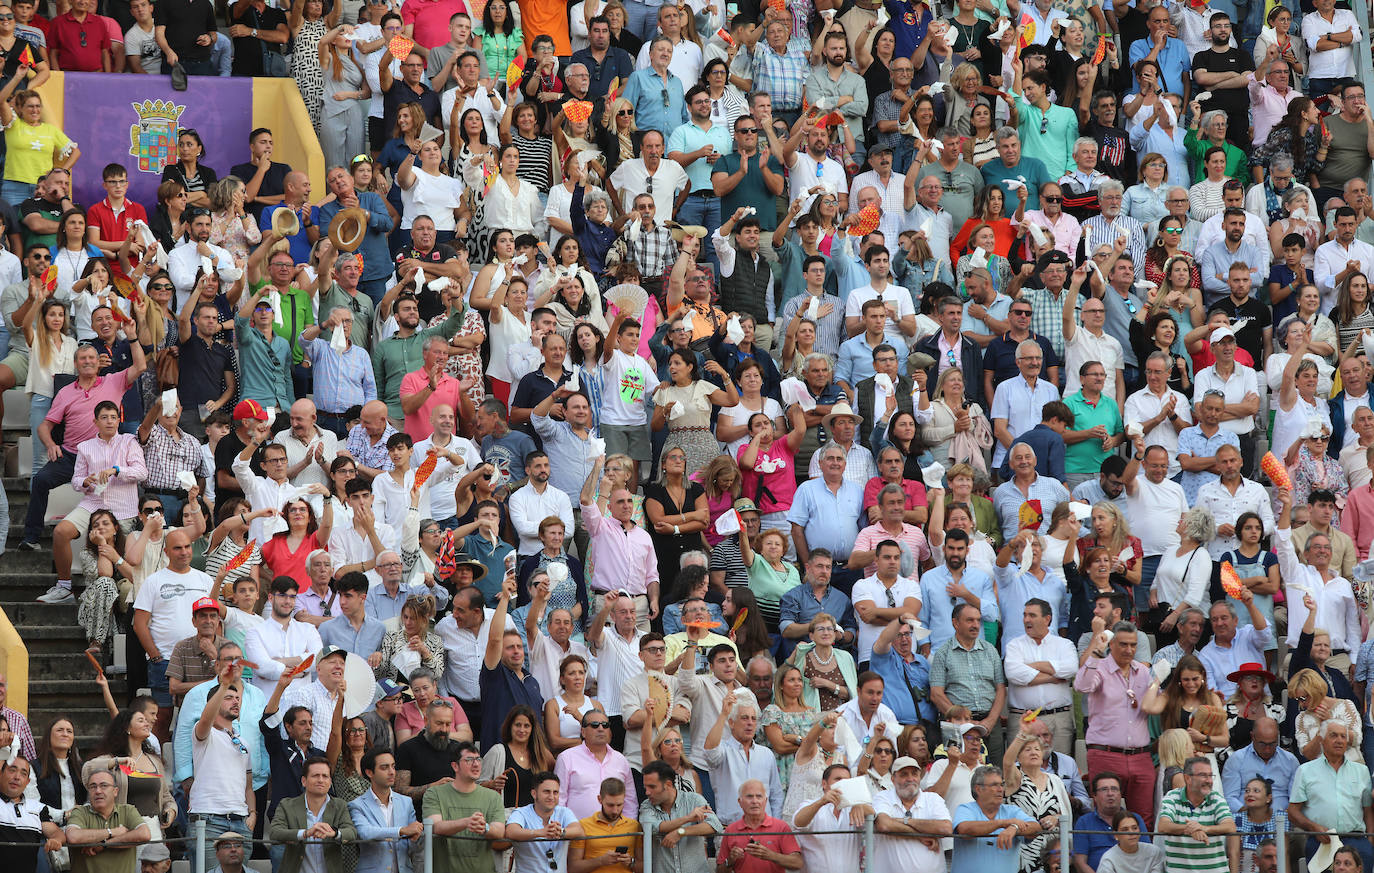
439	284
1000	31
687	321
883	382
338	341
1203	96
1161	670
813	307
419	281
1014	184
728	523
937	88
933	475
1367	341
677	412
574	383
1081	511
883	16
828	14
1027	556
1298	214
186	479
749	210
1127	555
206	265
558	572
1145	287
1170	118
1133	430
734	331
793	391
822	104
1038	234
518	260
274	298
937	146
979	258
596	447
146	232
230	274
160	256
854	791
1269	34
169	401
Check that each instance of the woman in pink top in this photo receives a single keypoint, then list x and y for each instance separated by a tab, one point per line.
286	552
721	481
768	467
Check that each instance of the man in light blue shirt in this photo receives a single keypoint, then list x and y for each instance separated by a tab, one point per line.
1216	261
1017	584
655	93
1026	485
697	145
945	587
988	832
384	601
524	824
825	512
857	353
1168	52
986	310
1019	404
1262	758
384	816
250	714
353	630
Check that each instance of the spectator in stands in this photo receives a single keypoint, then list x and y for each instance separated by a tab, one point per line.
282	642
1323	801
985	815
222	793
313	815
1262	759
287	738
393	828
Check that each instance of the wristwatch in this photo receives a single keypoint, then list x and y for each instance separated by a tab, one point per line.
682	832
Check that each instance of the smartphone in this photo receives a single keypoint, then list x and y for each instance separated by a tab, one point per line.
622	850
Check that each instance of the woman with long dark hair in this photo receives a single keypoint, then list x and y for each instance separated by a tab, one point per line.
126	750
195	177
508	767
57	778
105	545
1299	134
685	400
501	39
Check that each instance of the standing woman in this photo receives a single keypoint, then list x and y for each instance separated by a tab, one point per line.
1209	132
621	35
32	146
71	252
766	466
309	24
11	48
427	190
584	351
513	202
287	553
1298	134
193	176
732	425
464	346
965	83
501	39
404	142
231	227
1256	822
686	401
1184	573
509	766
988	212
347	97
509	317
53	352
677	510
1159	258
727	104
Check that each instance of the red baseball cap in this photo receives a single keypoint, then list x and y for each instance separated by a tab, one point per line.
205	603
249	409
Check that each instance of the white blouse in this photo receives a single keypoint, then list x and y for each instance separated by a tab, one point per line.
518	210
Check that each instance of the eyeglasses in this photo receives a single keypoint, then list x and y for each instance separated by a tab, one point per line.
670	741
148	510
44	256
388	564
883	750
891	600
356	730
1214	392
656	650
83	39
470	759
6	17
1023	312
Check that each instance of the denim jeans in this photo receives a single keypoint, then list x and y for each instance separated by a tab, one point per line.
1148	566
38	410
53	474
641	18
157	681
16	192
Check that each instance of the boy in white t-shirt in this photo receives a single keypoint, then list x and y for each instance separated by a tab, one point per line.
627	379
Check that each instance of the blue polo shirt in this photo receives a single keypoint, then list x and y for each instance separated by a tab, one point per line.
981	855
1095	845
1029	170
688	138
658	103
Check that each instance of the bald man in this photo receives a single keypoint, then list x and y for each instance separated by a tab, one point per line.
295	196
310	449
367	440
162	617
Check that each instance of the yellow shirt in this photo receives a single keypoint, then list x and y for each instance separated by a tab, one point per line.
31	150
594	826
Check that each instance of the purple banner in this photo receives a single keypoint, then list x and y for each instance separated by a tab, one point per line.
133	121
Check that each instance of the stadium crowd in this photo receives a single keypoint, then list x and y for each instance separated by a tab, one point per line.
682	432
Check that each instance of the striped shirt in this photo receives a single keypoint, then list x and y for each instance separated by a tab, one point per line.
536	161
783	75
1182	852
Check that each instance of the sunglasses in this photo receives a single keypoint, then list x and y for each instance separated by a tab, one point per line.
360	159
596	724
1172	230
1044	125
1051	198
746	131
626	113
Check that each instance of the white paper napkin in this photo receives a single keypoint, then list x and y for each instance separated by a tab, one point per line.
338	341
169	401
933	475
734	331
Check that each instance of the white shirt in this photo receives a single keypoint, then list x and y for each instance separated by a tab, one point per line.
1144	405
295	451
686	63
1153	512
1242	381
444	480
941	229
900	852
184	260
265	493
225	768
1331	63
546	655
1331	258
893	204
631	179
490	110
391	500
631	376
617	661
872	589
827	850
463	654
1226	507
348	546
1021	652
1086	346
167	596
528	507
891	293
863	730
1337	611
802	175
267	642
1351	436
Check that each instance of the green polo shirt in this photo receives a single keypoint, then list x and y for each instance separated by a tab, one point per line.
1086	458
359	304
396	356
112	859
751	190
296	315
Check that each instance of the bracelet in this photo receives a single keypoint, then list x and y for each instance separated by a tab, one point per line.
676	531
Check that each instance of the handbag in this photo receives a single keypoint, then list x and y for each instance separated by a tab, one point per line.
167	368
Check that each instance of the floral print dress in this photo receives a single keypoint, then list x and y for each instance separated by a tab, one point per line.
467	365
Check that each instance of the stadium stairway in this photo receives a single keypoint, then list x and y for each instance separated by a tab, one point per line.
61	680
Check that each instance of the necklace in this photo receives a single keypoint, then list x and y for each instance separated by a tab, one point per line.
823	662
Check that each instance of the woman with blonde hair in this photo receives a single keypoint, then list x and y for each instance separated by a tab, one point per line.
1144	201
231	227
1315	706
829	676
43	146
1111	531
414	644
1035	790
787	720
666	746
952	415
347	96
1175	748
965	82
47	330
721	483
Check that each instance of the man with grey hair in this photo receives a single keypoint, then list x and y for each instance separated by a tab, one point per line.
1227	498
1083	180
1018	403
1110	225
1331	793
344	379
758	674
1158	410
1121	690
1355	193
1176	205
1191	623
1234	645
1004	825
1011	166
1266	199
825	510
733	758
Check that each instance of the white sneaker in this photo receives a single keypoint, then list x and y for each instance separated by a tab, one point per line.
57	594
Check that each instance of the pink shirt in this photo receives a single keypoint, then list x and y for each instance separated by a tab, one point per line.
120	494
580	774
911	537
75	406
430	19
1268	106
1115	721
915	492
1357	519
624	558
772	482
411	718
417	422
